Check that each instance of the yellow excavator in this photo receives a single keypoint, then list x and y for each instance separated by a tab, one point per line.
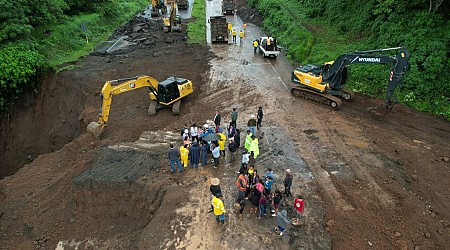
325	84
158	8
172	23
162	94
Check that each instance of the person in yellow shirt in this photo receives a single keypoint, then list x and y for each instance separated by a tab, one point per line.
254	149
248	140
222	140
241	35
184	155
234	36
219	209
255	46
230	27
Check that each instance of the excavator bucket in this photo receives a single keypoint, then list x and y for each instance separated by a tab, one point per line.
382	109
95	128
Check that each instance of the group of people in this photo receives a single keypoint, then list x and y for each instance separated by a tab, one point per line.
201	142
253	189
256	192
233	32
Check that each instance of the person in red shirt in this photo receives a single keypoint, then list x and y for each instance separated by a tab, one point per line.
298	205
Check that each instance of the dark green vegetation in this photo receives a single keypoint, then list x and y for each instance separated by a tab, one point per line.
197	29
38	35
316	31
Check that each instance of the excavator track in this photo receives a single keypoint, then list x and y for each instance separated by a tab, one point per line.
310	95
152	108
347	95
176	107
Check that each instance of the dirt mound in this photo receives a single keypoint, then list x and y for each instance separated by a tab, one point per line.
247	13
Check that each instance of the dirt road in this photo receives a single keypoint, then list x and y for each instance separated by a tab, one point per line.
369	181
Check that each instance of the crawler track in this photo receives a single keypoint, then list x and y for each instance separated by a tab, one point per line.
323	99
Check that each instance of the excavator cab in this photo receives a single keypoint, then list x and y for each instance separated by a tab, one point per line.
168	89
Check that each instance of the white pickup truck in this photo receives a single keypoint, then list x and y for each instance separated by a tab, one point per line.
268	47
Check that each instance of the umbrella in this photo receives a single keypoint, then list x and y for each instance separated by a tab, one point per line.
211	137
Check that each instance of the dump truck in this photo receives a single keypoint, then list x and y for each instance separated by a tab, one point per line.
219	29
228	7
183	4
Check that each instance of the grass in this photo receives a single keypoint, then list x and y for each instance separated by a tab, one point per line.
196	30
68	42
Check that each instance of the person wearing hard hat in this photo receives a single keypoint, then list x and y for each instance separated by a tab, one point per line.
252	124
241	35
255	46
234	36
244	26
230	28
288	183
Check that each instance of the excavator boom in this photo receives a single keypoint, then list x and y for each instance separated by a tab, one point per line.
108	91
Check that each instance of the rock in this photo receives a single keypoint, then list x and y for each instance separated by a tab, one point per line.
398	234
446	159
414	177
427	235
330	223
370	243
72	220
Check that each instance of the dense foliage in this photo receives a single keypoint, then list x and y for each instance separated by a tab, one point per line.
315	31
36	35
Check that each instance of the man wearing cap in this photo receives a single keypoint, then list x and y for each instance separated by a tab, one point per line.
251	124
215	189
219	209
288	183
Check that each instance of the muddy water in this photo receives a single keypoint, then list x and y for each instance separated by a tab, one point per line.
239	78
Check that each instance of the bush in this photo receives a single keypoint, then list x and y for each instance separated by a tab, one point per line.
19	68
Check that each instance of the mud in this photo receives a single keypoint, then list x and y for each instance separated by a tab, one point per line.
369	181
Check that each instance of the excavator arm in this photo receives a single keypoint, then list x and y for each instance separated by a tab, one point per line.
108	91
336	73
